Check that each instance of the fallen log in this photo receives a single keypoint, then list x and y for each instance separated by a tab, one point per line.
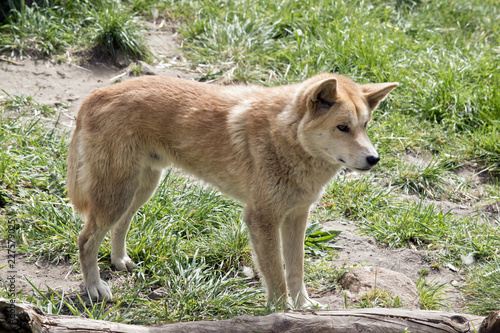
28	318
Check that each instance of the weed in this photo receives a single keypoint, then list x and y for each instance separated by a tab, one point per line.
431	293
136	69
316	239
115	29
482	288
379	298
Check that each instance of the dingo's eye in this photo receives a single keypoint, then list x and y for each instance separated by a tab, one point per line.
366	124
343	128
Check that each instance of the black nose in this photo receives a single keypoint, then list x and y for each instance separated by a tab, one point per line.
372	160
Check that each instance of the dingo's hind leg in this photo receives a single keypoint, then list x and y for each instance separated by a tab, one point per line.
148	183
108	201
89	242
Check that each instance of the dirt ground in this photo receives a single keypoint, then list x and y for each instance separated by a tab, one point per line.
65	85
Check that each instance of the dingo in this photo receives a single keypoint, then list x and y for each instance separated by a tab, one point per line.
274	149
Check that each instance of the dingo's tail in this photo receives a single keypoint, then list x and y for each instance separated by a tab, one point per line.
74	184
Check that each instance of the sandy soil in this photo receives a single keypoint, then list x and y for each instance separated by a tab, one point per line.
361	249
64	85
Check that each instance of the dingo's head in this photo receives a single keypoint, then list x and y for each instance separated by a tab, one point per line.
337	113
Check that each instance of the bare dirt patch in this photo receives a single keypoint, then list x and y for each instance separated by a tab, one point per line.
59	277
361	249
64	85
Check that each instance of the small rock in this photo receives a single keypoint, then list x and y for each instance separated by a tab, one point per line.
121	59
159	293
147	69
361	280
248	271
468	259
141	68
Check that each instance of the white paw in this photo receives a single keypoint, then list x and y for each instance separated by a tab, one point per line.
99	291
307	303
123	264
312	304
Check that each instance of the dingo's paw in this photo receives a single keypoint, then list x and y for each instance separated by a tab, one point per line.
123	264
99	291
312	304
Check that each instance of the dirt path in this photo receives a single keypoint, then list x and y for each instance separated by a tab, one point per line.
64	85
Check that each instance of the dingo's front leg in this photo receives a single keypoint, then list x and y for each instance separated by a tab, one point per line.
292	239
265	239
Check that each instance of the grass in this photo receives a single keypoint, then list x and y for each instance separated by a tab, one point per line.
482	289
442	120
432	294
56	28
115	30
379	298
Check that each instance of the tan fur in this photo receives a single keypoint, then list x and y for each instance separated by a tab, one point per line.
274	149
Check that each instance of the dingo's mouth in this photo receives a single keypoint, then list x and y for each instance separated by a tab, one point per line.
353	168
367	169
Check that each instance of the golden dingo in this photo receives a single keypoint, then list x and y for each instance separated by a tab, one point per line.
274	149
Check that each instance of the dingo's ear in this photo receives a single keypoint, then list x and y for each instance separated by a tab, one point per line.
377	92
323	95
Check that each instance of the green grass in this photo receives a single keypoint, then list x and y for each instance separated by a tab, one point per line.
482	289
431	293
379	298
92	27
444	118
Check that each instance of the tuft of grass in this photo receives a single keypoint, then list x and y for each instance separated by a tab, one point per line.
485	148
424	226
115	29
428	181
321	276
431	293
55	27
482	288
37	30
353	199
197	292
379	298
